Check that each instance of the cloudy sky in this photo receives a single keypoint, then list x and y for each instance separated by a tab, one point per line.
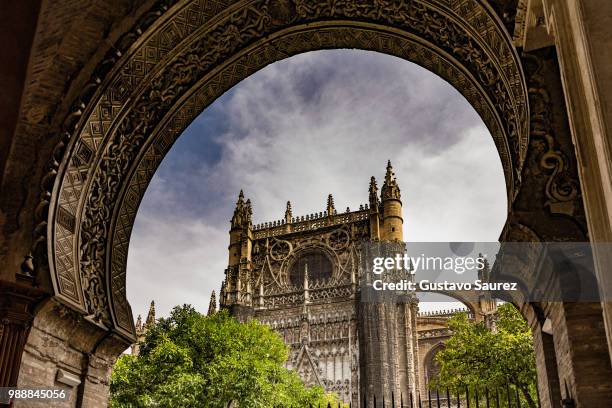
317	123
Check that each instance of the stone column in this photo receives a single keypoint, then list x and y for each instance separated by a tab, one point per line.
546	359
66	351
94	391
17	303
581	351
580	30
387	366
550	207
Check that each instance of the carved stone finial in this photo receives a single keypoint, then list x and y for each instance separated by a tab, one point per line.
243	213
138	324
249	212
330	205
288	213
151	316
212	305
390	190
373	193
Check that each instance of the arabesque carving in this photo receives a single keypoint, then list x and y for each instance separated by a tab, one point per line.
562	188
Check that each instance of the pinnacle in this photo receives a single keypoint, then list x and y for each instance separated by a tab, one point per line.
389	175
240	199
373	186
288	212
212	306
151	315
330	205
390	189
373	192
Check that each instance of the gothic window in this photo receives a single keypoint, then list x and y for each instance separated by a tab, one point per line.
318	265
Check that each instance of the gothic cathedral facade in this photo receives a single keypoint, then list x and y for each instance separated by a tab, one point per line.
299	275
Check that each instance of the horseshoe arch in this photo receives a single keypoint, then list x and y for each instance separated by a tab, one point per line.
167	70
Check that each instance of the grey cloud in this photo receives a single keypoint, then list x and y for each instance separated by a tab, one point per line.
314	124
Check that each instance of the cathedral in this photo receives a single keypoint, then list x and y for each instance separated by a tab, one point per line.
300	275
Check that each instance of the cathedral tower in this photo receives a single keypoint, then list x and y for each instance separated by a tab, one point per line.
237	288
391	208
387	330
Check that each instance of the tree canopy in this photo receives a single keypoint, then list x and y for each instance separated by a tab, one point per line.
192	360
477	357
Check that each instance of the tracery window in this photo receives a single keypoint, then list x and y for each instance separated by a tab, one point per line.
318	265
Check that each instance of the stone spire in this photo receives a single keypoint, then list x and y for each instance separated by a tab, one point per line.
138	324
392	220
238	218
243	213
248	213
140	333
288	213
373	193
330	205
151	316
390	190
212	305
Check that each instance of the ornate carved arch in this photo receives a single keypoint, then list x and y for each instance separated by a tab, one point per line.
170	67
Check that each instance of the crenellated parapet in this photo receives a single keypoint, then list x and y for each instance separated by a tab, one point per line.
309	222
446	312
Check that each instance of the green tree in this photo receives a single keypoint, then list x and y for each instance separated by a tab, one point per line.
477	357
192	360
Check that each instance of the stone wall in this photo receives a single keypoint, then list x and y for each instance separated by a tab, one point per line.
65	351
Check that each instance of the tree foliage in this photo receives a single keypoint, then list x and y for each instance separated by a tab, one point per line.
477	357
192	360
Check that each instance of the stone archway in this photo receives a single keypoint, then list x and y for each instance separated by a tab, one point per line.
181	56
174	70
